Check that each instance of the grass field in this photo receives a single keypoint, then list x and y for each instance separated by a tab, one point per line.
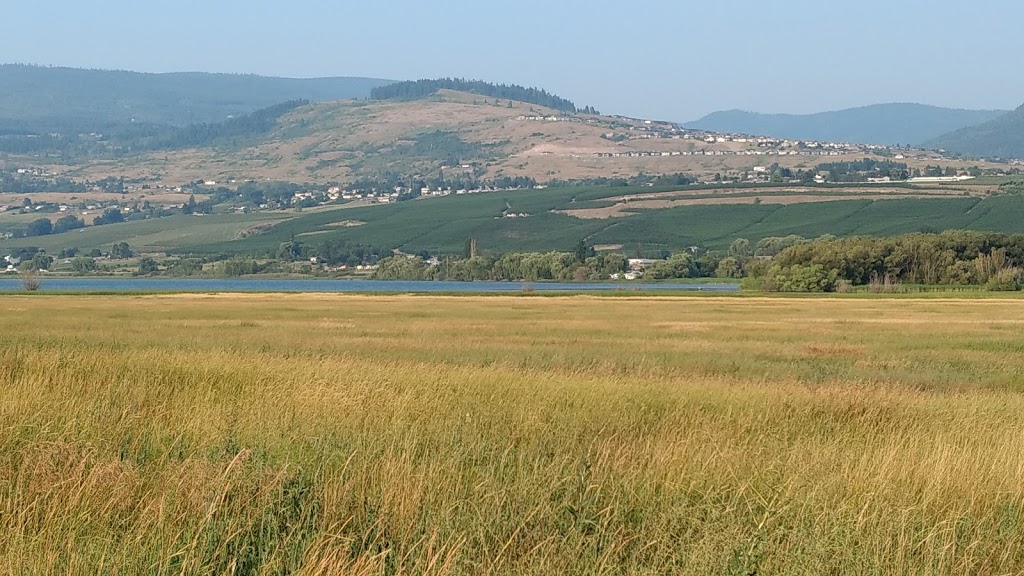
315	434
157	235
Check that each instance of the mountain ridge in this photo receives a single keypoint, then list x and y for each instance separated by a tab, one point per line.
882	124
1001	137
40	98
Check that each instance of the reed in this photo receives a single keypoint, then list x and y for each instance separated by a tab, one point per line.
313	434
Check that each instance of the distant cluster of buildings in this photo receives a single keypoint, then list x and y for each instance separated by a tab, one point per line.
625	130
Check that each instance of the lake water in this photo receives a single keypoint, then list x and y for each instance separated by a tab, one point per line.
363	286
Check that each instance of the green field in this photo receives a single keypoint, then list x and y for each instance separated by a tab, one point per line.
442	225
159	235
318	434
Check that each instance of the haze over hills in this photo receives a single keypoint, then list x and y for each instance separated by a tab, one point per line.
1002	137
406	131
570	169
458	134
44	99
890	124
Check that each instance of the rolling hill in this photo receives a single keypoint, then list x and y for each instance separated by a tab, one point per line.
1002	137
41	99
891	124
457	134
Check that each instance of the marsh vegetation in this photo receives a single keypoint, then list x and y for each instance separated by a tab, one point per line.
314	434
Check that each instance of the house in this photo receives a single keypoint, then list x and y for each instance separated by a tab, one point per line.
640	264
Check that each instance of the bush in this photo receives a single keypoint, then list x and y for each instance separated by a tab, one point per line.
148	266
800	278
83	265
30	280
1005	280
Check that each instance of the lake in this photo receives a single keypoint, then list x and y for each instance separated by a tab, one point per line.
363	286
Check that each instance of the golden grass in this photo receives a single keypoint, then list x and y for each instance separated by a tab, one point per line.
316	434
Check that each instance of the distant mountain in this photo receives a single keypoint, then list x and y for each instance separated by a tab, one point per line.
41	99
908	124
1002	137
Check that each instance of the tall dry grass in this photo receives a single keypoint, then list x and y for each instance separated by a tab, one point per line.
420	435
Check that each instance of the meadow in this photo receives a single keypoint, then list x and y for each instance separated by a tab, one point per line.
326	434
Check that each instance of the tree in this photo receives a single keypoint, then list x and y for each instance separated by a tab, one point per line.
190	206
66	223
582	251
41	261
121	250
148	266
290	251
729	268
109	216
740	249
30	280
40	227
239	267
83	265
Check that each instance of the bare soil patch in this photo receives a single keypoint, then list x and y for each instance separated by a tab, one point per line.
624	209
347	224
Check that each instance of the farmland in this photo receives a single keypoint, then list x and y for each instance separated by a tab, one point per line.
517	435
659	219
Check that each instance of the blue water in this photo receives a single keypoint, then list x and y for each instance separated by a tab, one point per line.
365	286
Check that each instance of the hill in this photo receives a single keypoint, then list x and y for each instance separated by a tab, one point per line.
452	135
413	90
36	99
891	124
1002	137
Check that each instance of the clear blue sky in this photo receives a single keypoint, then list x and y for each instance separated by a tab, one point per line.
666	59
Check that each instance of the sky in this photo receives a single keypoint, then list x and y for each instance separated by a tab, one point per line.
662	59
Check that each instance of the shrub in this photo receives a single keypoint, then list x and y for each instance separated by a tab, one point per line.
1005	280
800	278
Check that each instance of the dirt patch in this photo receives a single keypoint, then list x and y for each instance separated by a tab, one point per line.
347	224
882	190
256	230
624	209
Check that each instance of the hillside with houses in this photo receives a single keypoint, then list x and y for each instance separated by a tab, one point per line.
465	141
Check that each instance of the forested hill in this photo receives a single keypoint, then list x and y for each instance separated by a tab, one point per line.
907	124
999	138
415	89
238	128
40	100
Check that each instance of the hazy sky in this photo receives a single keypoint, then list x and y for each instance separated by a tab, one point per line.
666	59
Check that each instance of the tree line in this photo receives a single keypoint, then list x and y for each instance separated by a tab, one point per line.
71	141
416	89
779	264
954	258
237	128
